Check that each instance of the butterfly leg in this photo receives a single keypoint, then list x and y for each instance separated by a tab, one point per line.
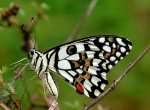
52	87
18	61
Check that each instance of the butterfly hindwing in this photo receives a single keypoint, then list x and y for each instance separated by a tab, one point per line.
85	63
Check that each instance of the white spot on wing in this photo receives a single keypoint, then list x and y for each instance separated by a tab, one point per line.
66	75
121	58
62	53
90	42
79	71
102	40
96	93
107	61
122	49
101	55
87	85
119	40
96	62
64	64
104	65
103	86
107	48
86	93
130	47
72	73
112	58
114	45
90	54
80	47
106	43
110	66
118	54
116	61
92	70
73	57
103	75
92	47
95	80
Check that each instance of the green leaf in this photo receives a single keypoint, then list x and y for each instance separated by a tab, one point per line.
45	6
4	69
11	88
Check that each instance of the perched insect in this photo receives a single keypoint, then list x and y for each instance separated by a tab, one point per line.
83	63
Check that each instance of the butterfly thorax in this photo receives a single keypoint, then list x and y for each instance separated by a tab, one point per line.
36	59
41	62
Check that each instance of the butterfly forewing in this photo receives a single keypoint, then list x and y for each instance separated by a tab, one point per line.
85	63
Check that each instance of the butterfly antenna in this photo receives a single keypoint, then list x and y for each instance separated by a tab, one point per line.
33	23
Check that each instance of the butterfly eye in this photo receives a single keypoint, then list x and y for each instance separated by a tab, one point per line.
31	53
71	49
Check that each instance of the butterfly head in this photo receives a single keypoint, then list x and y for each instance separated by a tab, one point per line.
31	53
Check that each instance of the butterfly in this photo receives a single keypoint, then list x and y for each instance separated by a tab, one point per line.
83	63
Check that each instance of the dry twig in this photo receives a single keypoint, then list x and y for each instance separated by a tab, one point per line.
3	106
116	82
8	13
82	20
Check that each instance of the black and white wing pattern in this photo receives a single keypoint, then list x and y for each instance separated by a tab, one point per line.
85	63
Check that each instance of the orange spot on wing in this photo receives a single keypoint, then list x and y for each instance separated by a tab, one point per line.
111	39
85	68
87	76
87	62
114	50
80	78
76	64
107	55
79	88
83	55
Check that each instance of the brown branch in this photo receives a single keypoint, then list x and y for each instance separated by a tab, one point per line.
8	13
116	82
3	106
33	105
54	104
82	21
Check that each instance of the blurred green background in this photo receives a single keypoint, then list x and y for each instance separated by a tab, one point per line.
128	18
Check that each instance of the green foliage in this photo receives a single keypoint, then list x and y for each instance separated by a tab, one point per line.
6	88
58	20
